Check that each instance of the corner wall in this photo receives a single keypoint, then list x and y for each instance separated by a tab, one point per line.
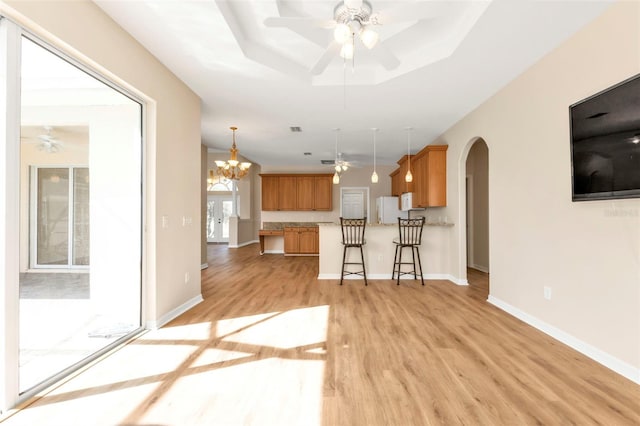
588	253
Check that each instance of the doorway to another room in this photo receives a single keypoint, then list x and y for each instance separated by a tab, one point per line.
354	202
219	209
477	216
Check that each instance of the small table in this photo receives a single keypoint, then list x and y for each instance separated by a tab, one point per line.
268	232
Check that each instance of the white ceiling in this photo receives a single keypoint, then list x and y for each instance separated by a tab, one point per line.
453	55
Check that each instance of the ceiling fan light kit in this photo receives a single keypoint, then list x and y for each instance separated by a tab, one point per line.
354	18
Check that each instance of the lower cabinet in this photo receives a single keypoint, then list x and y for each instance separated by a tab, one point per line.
301	240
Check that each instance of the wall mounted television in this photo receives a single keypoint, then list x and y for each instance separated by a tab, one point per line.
605	143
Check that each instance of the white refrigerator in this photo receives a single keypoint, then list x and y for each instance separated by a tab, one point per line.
387	210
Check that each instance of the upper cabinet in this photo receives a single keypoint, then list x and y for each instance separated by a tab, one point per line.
429	170
270	192
289	192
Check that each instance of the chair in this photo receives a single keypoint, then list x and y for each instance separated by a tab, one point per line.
353	237
410	235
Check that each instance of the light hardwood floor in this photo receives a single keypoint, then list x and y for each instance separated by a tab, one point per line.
271	345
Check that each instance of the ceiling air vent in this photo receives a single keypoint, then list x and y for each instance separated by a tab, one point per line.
295	129
328	162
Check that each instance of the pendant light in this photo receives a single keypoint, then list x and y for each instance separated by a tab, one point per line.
374	175
408	177
336	174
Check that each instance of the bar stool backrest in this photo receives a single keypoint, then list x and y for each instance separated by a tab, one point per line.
353	231
411	231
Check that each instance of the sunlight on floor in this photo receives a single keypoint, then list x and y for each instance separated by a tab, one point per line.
265	369
251	362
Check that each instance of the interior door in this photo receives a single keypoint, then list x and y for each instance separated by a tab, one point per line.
219	209
353	205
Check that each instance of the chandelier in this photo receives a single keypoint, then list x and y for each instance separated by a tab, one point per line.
233	169
354	17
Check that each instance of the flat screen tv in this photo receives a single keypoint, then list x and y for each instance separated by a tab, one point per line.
605	143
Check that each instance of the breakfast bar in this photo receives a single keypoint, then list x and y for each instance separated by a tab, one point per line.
379	251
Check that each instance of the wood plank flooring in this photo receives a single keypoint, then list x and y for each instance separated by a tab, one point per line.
271	345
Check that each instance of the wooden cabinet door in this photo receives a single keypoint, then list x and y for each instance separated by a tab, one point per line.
305	193
270	189
316	246
437	184
396	188
291	241
419	164
323	194
287	193
307	240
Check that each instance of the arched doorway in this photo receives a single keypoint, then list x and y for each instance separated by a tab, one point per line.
475	199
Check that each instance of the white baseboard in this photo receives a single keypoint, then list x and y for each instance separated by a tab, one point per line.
246	243
174	313
204	266
624	369
274	252
388	277
480	268
457	281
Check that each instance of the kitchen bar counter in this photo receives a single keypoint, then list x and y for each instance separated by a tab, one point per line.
379	251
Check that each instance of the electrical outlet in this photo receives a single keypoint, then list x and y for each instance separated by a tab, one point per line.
379	258
165	221
547	293
187	277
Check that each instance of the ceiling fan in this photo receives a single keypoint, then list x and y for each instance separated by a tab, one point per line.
47	142
352	20
339	164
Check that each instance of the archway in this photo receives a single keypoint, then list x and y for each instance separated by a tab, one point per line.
474	214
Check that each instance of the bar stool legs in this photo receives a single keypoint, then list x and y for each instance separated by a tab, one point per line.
345	263
397	263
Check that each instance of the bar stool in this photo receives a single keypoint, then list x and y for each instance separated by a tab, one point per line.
410	235
353	237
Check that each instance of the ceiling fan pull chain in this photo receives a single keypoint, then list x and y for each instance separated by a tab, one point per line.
344	83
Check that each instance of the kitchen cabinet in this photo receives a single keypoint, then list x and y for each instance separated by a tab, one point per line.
430	177
270	192
429	170
287	192
297	192
396	183
301	240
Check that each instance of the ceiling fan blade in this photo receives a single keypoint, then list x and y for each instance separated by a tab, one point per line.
416	11
299	22
326	58
385	57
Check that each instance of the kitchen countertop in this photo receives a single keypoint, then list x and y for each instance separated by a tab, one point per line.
271	226
375	225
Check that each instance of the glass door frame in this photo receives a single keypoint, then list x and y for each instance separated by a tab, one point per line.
11	35
219	200
33	219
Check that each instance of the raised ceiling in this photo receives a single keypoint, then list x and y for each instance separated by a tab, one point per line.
452	56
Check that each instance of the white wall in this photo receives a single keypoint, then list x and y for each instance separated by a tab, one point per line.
587	252
172	149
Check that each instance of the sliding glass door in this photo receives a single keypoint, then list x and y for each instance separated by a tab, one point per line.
70	215
60	217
